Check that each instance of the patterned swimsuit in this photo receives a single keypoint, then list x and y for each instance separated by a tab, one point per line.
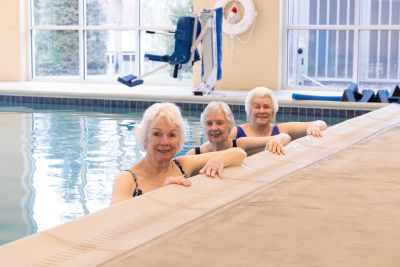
138	191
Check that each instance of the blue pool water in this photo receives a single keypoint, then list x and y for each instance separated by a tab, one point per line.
58	165
62	165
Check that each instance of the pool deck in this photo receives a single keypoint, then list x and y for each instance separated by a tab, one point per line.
342	210
330	201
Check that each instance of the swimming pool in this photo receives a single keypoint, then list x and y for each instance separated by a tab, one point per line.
60	161
60	165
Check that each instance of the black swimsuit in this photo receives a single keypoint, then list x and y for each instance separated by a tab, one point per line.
197	149
138	191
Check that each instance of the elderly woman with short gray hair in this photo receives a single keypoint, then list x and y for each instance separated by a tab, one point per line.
261	108
218	121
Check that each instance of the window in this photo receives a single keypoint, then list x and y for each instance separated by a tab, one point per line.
331	43
101	40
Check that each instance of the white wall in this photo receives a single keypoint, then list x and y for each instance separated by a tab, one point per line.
13	40
255	63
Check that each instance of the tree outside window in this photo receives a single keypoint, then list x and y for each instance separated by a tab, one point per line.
105	41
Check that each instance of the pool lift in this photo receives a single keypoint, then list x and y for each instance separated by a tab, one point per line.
191	31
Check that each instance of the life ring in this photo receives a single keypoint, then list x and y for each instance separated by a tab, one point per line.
239	15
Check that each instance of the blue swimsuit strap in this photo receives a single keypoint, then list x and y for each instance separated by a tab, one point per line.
275	130
180	168
240	132
137	191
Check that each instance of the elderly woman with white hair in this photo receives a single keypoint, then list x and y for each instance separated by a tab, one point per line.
161	133
217	120
261	107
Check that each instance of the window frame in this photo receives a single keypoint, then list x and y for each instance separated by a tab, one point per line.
82	28
356	28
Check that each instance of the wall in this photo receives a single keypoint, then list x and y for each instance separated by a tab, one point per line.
12	40
255	63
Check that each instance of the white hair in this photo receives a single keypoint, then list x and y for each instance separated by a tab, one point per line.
214	107
260	92
156	111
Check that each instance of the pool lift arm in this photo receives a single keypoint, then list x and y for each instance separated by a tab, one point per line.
191	31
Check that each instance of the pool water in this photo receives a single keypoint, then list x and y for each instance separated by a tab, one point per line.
60	165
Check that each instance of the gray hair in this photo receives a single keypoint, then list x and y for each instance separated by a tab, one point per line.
215	106
260	92
156	111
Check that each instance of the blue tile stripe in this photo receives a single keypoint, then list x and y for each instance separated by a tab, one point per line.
132	106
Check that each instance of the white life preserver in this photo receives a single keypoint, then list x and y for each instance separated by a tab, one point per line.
239	15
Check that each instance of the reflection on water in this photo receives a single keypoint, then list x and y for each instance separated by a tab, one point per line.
76	158
70	163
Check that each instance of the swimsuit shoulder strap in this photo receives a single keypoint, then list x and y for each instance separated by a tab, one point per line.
275	130
197	150
240	132
180	168
137	191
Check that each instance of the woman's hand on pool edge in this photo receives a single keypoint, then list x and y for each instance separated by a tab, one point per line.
180	180
275	146
314	130
276	143
213	168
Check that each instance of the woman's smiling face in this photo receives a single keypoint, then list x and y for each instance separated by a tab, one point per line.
262	111
162	140
216	127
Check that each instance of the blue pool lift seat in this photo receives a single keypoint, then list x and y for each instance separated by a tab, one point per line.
183	43
182	53
205	30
